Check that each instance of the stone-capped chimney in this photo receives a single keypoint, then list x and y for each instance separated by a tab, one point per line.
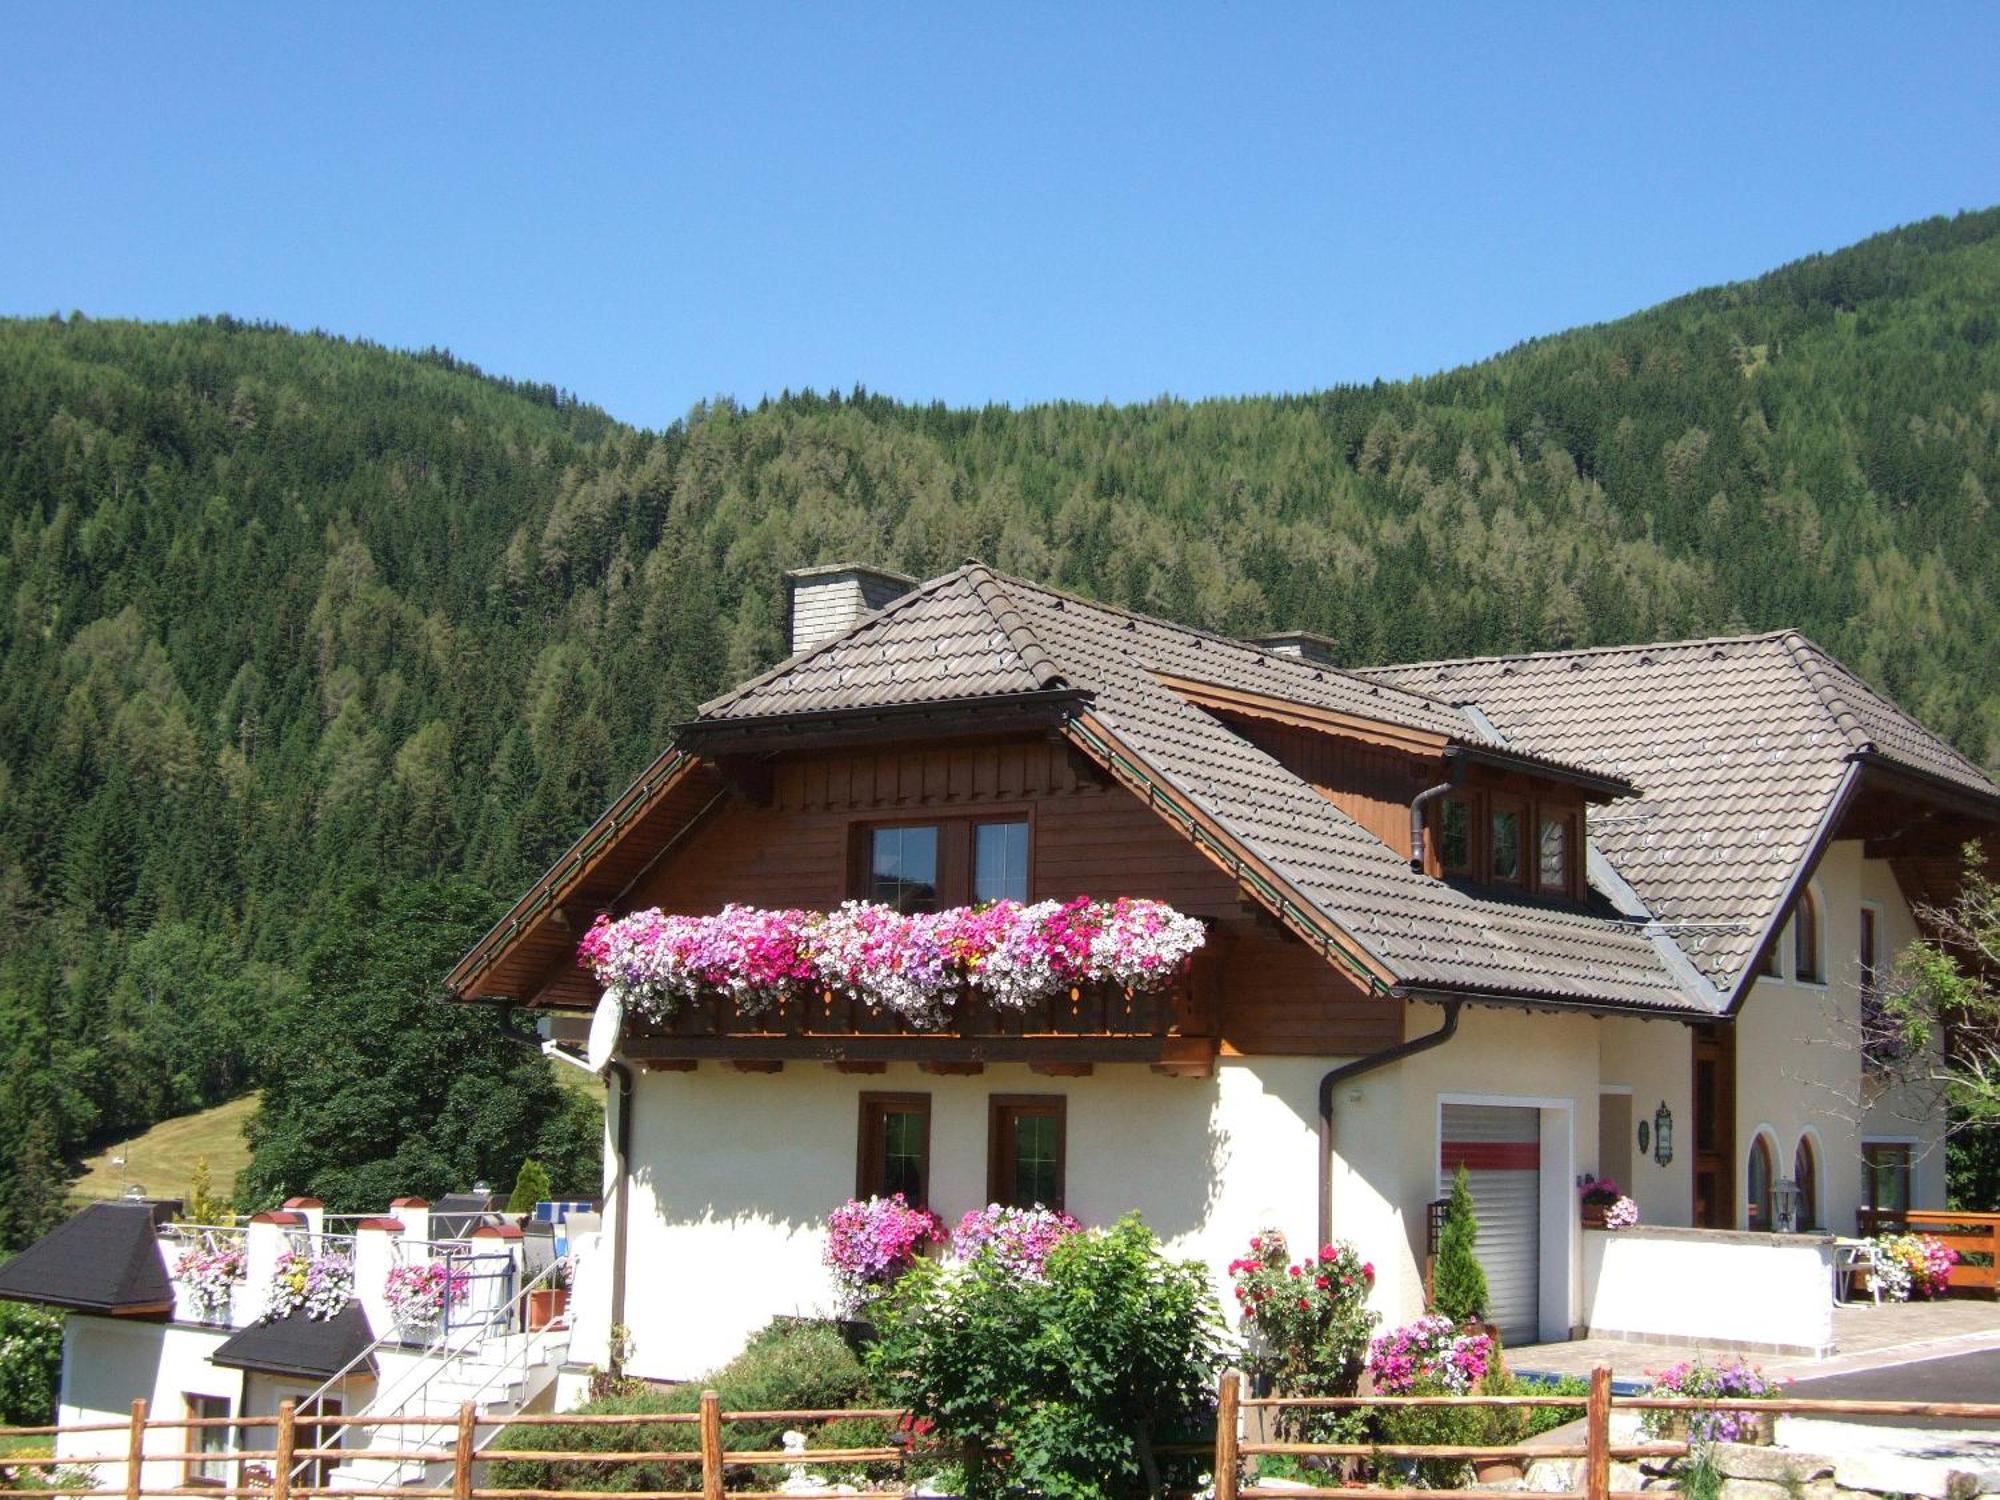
821	602
1308	645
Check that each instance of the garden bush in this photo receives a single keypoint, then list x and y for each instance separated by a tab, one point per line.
1063	1384
1458	1282
1310	1324
30	1364
791	1365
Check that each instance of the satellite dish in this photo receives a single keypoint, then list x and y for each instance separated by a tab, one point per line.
605	1026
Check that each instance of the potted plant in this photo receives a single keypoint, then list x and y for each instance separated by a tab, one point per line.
1597	1196
548	1304
1711	1382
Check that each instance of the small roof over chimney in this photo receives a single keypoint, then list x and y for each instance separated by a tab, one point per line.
1309	645
823	601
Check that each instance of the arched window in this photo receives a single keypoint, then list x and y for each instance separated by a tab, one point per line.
1758	1182
1808	966
1805	1172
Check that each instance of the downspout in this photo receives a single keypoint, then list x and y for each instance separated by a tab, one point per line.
1424	799
622	1185
1352	1070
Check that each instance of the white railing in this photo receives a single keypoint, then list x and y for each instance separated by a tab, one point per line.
408	1397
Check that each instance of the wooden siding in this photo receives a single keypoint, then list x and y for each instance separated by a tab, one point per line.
1372	784
1087	838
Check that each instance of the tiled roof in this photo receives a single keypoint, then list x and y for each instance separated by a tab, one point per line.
973	633
1738	744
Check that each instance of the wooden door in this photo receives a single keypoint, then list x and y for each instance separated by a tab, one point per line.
1714	1127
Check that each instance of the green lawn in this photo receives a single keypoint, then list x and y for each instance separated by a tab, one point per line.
162	1159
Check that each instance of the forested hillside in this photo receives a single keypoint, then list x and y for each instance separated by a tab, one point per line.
292	624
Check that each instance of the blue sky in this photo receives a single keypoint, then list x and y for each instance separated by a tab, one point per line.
1016	203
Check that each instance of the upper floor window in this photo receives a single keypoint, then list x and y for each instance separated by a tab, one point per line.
1866	951
1506	830
1000	861
903	867
1455	836
1552	853
1808	965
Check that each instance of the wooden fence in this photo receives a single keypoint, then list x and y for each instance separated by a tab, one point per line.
288	1457
1976	1238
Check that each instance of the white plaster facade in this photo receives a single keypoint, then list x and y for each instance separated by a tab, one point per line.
735	1173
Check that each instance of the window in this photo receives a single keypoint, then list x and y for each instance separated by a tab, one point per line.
1866	950
1000	862
1885	1178
1806	967
1455	837
903	867
212	1443
1506	827
1773	966
1025	1150
329	1435
895	1149
1552	872
1758	1182
1805	1172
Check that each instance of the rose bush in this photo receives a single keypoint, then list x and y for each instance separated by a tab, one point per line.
1308	1322
915	964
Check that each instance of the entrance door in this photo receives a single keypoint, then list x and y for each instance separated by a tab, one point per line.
1715	1127
1501	1149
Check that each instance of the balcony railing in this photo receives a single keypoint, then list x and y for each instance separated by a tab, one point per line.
1172	1027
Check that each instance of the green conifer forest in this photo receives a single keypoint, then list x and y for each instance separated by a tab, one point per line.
315	652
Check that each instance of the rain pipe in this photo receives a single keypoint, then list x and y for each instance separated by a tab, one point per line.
1349	1071
1423	800
621	1180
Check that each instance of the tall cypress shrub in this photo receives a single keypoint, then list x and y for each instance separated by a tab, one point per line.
1458	1281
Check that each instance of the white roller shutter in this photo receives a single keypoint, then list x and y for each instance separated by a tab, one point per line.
1501	1147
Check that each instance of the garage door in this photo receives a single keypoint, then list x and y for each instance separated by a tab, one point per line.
1501	1148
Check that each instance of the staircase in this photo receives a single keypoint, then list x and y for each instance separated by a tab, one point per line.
497	1366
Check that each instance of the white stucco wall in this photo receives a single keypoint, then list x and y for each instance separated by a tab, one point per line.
1764	1292
1655	1060
108	1363
1797	1065
737	1172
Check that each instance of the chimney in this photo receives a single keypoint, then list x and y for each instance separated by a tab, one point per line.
1306	645
822	602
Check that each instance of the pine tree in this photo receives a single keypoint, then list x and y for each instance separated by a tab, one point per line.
1458	1283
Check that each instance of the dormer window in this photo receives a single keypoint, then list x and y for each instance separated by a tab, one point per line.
1455	837
1552	854
1507	843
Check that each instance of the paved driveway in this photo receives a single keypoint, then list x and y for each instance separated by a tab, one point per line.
1961	1377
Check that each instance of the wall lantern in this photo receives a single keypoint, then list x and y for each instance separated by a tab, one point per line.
1663	1134
1786	1200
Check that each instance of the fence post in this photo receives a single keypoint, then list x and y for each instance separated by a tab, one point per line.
281	1454
1597	1436
1225	1435
711	1446
461	1453
135	1452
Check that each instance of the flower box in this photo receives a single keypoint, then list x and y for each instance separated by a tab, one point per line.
547	1306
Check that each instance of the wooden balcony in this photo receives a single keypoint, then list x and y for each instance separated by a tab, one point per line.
1173	1030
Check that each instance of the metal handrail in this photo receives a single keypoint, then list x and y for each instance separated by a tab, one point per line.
446	1354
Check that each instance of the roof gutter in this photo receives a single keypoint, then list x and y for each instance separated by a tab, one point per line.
1454	759
1346	1073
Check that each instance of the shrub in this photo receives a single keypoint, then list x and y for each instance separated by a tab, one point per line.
1061	1386
1458	1283
531	1186
791	1365
1435	1425
31	1341
1311	1322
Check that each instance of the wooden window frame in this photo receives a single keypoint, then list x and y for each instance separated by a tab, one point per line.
1809	904
874	1106
191	1475
1806	1150
1471	803
1000	1108
956	848
1759	1218
1566	815
1907	1159
1508	802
